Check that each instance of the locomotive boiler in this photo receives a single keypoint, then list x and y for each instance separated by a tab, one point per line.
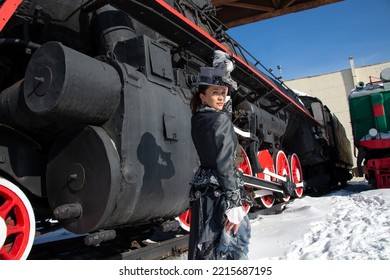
95	118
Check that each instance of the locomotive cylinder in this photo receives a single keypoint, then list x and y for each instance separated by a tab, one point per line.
83	178
14	111
270	123
64	85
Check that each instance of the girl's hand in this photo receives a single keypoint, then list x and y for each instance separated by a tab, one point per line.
231	226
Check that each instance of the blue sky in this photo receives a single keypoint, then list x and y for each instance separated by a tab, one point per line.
320	40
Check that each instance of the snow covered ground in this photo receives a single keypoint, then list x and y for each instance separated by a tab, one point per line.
350	224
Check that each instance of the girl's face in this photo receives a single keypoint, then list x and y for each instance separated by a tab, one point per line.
214	97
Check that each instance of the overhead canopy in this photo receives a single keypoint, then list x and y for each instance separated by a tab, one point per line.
240	12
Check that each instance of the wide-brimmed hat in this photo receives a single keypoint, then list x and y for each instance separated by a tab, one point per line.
210	76
219	74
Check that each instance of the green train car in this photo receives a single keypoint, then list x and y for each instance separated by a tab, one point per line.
370	117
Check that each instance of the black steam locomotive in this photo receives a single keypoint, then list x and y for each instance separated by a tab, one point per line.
95	118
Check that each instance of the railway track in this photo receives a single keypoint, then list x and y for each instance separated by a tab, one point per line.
75	249
128	245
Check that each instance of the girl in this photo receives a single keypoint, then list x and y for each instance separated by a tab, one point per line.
220	228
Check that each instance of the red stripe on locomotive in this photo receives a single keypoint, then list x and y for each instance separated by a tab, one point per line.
378	110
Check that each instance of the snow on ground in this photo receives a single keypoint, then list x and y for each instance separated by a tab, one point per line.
349	224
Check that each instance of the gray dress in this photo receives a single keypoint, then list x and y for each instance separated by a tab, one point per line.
215	187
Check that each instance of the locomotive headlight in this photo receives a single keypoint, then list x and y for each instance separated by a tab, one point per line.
373	132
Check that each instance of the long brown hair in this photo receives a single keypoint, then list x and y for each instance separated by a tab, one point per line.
195	100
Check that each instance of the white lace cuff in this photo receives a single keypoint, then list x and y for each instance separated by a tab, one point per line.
235	214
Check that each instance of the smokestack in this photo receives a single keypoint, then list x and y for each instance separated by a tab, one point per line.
353	72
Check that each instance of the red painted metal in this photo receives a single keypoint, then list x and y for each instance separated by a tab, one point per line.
16	216
246	168
7	10
381	168
378	110
266	162
375	144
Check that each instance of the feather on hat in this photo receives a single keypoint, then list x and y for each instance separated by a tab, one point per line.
219	74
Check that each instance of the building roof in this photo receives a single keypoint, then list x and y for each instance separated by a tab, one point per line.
240	12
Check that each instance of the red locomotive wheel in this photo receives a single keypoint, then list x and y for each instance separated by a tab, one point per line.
245	165
185	220
246	168
267	163
296	175
282	168
17	222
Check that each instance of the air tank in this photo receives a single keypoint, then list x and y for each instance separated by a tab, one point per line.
66	86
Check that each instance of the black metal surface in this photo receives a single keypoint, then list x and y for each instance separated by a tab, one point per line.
268	123
97	176
64	85
262	184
